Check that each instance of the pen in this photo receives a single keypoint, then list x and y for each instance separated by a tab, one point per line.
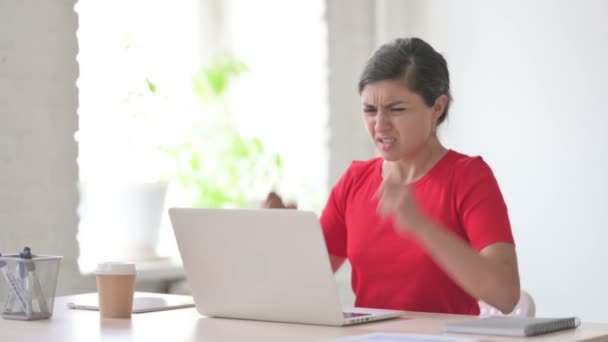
27	286
31	268
10	278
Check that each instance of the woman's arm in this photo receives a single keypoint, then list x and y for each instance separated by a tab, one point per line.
490	275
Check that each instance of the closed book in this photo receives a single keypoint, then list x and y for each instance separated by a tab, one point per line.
512	326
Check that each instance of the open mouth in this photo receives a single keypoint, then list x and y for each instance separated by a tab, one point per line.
386	143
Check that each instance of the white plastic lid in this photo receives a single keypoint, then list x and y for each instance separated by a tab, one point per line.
116	268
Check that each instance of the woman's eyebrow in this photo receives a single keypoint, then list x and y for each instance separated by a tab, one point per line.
390	104
394	103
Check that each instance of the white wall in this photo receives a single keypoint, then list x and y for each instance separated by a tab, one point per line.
38	119
529	82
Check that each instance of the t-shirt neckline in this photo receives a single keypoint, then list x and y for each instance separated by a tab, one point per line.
439	165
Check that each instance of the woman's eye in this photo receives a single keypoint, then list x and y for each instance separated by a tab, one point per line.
397	111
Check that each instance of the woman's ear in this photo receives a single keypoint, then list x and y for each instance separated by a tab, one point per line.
439	107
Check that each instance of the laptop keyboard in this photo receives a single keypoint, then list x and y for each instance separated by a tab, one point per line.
354	314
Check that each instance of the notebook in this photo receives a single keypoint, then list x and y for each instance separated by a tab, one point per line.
512	326
142	302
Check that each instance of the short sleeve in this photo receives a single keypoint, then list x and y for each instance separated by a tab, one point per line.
481	207
333	220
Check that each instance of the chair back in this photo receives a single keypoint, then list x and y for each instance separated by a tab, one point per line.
525	307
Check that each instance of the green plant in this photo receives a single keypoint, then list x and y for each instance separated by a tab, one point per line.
217	165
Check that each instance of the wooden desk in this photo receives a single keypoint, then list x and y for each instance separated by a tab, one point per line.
187	325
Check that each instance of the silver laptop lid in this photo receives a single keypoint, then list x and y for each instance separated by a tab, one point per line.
262	264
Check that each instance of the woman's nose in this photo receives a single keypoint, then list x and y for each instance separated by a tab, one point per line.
382	121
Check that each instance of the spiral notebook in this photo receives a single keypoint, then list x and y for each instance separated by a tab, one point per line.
512	326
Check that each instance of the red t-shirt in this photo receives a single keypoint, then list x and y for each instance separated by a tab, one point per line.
393	271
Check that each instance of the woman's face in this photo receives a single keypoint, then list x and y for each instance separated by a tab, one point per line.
398	120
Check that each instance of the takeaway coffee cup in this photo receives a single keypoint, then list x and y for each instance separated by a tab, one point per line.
115	287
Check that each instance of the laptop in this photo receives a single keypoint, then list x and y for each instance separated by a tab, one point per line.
262	264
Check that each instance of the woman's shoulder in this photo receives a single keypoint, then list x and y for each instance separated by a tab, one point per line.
467	167
461	161
357	175
364	167
360	171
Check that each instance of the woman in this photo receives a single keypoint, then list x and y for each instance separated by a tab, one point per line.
425	228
